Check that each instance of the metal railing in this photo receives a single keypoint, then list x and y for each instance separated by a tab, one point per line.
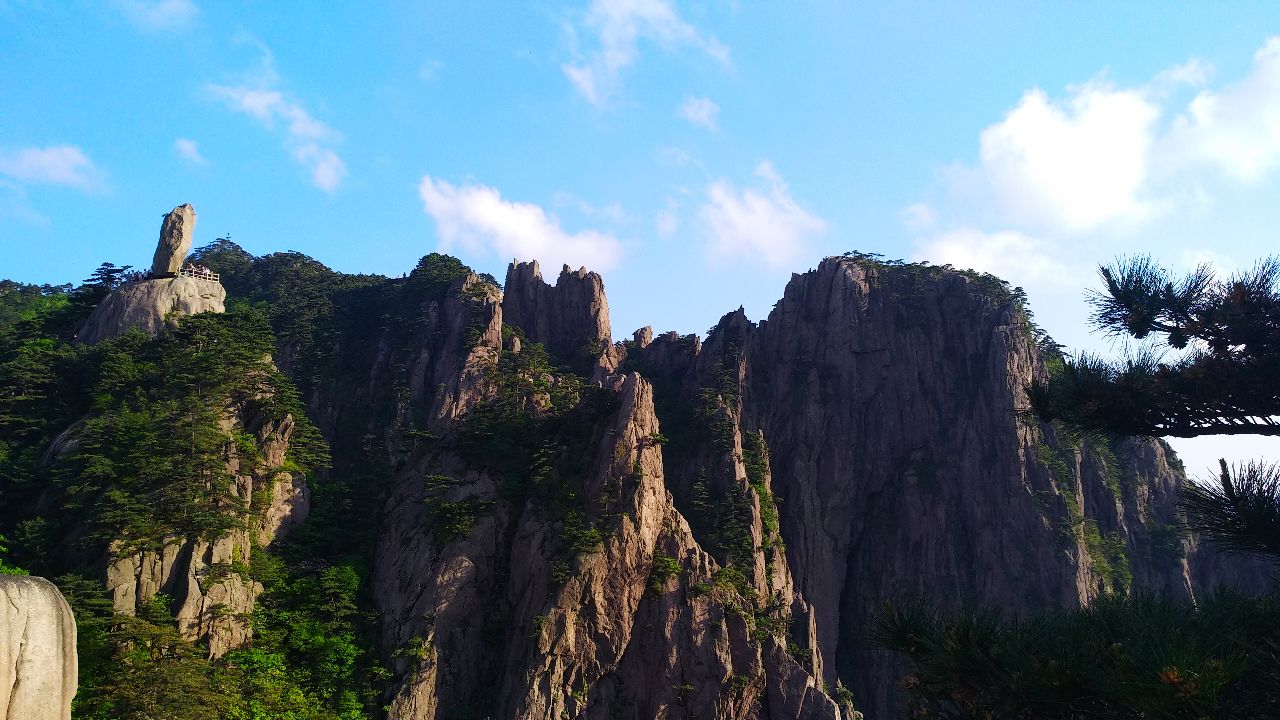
188	271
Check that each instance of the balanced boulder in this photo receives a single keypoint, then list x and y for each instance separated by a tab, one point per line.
176	232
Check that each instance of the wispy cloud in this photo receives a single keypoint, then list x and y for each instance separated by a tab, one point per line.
667	220
1107	157
159	15
763	223
308	140
189	150
430	69
700	111
15	205
477	218
65	165
1064	181
1008	254
610	214
618	26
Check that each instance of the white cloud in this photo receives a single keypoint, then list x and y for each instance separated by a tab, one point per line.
430	69
619	26
700	111
480	220
158	15
189	150
1108	158
65	165
1072	165
1007	254
1236	129
764	223
307	139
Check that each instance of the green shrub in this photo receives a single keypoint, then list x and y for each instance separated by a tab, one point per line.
663	569
1122	657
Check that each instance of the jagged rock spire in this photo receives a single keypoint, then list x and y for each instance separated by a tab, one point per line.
571	317
176	232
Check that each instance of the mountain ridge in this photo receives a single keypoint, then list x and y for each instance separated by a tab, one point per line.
558	524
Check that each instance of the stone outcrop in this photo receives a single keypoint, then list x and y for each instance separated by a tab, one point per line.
155	303
571	318
207	580
889	401
504	623
501	615
176	233
151	306
38	667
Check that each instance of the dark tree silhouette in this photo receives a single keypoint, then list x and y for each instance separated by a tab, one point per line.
1225	380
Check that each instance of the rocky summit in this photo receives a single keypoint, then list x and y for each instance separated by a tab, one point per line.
438	497
151	303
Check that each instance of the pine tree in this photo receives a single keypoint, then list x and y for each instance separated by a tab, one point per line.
1224	381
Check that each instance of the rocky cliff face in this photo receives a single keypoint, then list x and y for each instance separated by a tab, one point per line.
690	528
38	668
207	579
532	562
687	527
571	318
151	306
889	398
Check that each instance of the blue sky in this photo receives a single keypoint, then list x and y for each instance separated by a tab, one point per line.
695	153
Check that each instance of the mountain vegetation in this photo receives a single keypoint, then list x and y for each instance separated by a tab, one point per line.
1138	655
148	462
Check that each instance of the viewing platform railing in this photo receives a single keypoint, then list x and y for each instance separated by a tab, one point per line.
188	271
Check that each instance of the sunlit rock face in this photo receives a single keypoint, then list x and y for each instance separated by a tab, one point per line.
38	668
176	234
151	306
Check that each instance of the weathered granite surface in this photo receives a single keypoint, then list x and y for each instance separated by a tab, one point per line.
38	670
151	306
176	234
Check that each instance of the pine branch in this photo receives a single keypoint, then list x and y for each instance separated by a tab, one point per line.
1239	514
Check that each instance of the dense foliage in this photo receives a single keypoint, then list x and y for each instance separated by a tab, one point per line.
121	445
1226	380
1242	512
1123	657
306	661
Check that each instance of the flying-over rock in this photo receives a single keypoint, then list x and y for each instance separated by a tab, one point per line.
151	306
176	233
38	670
